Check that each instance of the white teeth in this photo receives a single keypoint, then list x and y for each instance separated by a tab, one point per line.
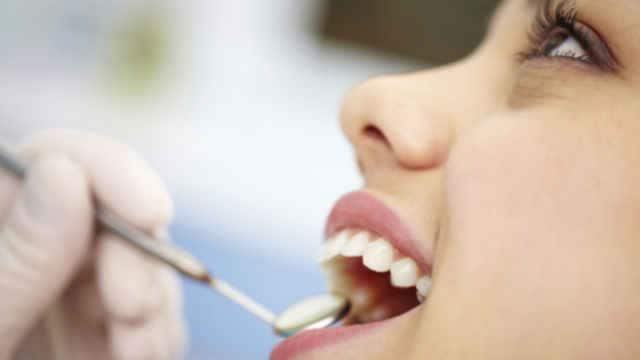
404	273
378	256
332	247
423	286
361	297
356	245
377	314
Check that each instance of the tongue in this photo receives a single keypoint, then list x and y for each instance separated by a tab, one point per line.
372	295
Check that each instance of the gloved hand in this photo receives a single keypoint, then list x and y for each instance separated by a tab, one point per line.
67	292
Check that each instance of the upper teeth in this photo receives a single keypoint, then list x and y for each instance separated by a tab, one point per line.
404	273
377	255
423	285
332	248
356	245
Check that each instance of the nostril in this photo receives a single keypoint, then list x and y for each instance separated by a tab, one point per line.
374	133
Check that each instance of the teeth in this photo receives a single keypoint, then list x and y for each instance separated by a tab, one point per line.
361	298
378	256
332	247
423	286
377	314
356	245
404	273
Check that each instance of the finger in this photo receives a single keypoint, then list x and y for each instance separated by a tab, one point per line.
138	341
8	188
174	323
128	280
141	301
124	183
42	244
159	336
120	179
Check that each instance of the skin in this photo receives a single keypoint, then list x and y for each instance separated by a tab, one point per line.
520	180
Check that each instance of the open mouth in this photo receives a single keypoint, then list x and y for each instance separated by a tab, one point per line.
379	280
370	257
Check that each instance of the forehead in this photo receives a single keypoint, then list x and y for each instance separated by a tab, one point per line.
530	3
508	9
535	3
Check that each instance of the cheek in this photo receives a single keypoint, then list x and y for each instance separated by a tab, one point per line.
499	170
539	215
543	198
523	173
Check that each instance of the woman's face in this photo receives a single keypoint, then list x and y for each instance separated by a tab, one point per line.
517	171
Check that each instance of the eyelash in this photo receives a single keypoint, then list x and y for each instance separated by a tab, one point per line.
562	15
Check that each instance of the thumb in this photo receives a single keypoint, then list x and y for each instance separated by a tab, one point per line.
42	244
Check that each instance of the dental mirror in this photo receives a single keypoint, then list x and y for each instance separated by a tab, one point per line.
313	313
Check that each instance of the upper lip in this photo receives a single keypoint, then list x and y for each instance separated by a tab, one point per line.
361	210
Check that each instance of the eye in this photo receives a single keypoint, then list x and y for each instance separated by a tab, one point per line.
557	33
561	43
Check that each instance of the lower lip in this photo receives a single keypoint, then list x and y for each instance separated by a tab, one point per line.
315	339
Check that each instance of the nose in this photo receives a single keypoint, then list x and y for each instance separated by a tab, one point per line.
387	119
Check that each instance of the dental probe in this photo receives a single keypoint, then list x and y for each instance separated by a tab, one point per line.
313	313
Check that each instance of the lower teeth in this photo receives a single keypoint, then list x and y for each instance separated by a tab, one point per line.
361	298
373	297
377	314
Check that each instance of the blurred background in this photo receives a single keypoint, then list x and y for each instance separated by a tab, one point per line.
235	104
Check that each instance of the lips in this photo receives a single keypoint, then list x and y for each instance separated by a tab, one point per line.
366	240
361	210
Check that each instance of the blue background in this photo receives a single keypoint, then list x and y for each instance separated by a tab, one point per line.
218	328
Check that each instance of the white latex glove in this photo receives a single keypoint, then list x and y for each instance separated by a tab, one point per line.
65	291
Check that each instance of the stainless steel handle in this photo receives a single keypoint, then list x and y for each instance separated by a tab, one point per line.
161	250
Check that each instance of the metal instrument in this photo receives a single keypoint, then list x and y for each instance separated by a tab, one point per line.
313	313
